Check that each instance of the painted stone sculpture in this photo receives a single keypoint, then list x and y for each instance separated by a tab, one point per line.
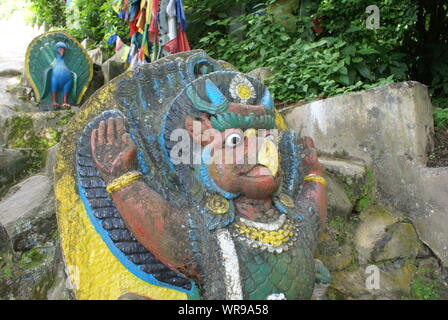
59	69
137	214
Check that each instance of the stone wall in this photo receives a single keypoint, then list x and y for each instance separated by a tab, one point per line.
389	130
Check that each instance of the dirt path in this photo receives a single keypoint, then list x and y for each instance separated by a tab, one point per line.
15	36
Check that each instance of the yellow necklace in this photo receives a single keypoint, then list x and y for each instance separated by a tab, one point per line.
273	237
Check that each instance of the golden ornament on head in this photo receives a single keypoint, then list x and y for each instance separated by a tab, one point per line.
217	204
241	89
286	200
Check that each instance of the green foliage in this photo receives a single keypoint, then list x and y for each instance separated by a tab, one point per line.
307	66
6	272
21	135
322	68
348	19
439	76
95	20
343	227
37	160
19	130
412	32
423	287
406	220
84	19
345	57
440	117
368	190
48	13
65	119
87	20
205	16
31	258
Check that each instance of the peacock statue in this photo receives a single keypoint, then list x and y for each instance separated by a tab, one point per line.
58	68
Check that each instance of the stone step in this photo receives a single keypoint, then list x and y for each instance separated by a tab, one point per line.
345	168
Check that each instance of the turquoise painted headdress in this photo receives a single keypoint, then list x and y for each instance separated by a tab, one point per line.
241	90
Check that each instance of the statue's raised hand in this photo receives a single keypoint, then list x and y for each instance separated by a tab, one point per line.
113	150
311	161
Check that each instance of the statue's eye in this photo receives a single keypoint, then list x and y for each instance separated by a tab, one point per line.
234	140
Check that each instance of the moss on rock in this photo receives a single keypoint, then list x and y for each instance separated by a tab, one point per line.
31	258
368	195
38	130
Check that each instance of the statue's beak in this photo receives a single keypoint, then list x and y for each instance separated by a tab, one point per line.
268	156
61	52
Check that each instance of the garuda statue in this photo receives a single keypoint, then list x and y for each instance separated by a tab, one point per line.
138	214
58	68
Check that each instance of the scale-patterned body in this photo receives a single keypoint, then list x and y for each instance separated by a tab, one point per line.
289	273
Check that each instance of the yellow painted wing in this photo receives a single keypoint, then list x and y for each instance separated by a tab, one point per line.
94	272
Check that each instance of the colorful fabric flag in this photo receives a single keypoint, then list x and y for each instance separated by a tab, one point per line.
178	44
181	15
118	44
142	16
153	28
112	39
124	53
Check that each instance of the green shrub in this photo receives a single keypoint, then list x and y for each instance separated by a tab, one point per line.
440	117
92	19
97	21
307	70
424	287
411	44
305	66
48	13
